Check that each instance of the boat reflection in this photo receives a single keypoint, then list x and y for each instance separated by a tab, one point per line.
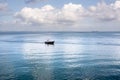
40	56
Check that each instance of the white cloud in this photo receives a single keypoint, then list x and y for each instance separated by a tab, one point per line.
50	15
70	17
3	7
45	14
5	11
105	12
70	13
33	1
116	5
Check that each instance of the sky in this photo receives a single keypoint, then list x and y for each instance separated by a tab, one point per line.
59	15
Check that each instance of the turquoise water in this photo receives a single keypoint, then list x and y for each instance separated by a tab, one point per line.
75	56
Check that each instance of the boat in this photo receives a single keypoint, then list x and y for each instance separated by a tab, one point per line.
49	42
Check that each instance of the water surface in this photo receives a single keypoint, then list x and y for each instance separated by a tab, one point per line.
75	56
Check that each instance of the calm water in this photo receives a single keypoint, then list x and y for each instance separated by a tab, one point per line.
75	56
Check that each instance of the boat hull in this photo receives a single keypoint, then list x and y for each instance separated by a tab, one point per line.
49	42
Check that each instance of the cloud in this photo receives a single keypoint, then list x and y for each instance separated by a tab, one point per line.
36	15
5	11
73	17
116	5
32	1
48	14
70	13
105	12
3	7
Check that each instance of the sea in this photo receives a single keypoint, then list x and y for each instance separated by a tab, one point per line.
74	56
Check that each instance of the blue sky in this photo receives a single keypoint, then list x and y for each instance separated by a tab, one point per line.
59	15
19	4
